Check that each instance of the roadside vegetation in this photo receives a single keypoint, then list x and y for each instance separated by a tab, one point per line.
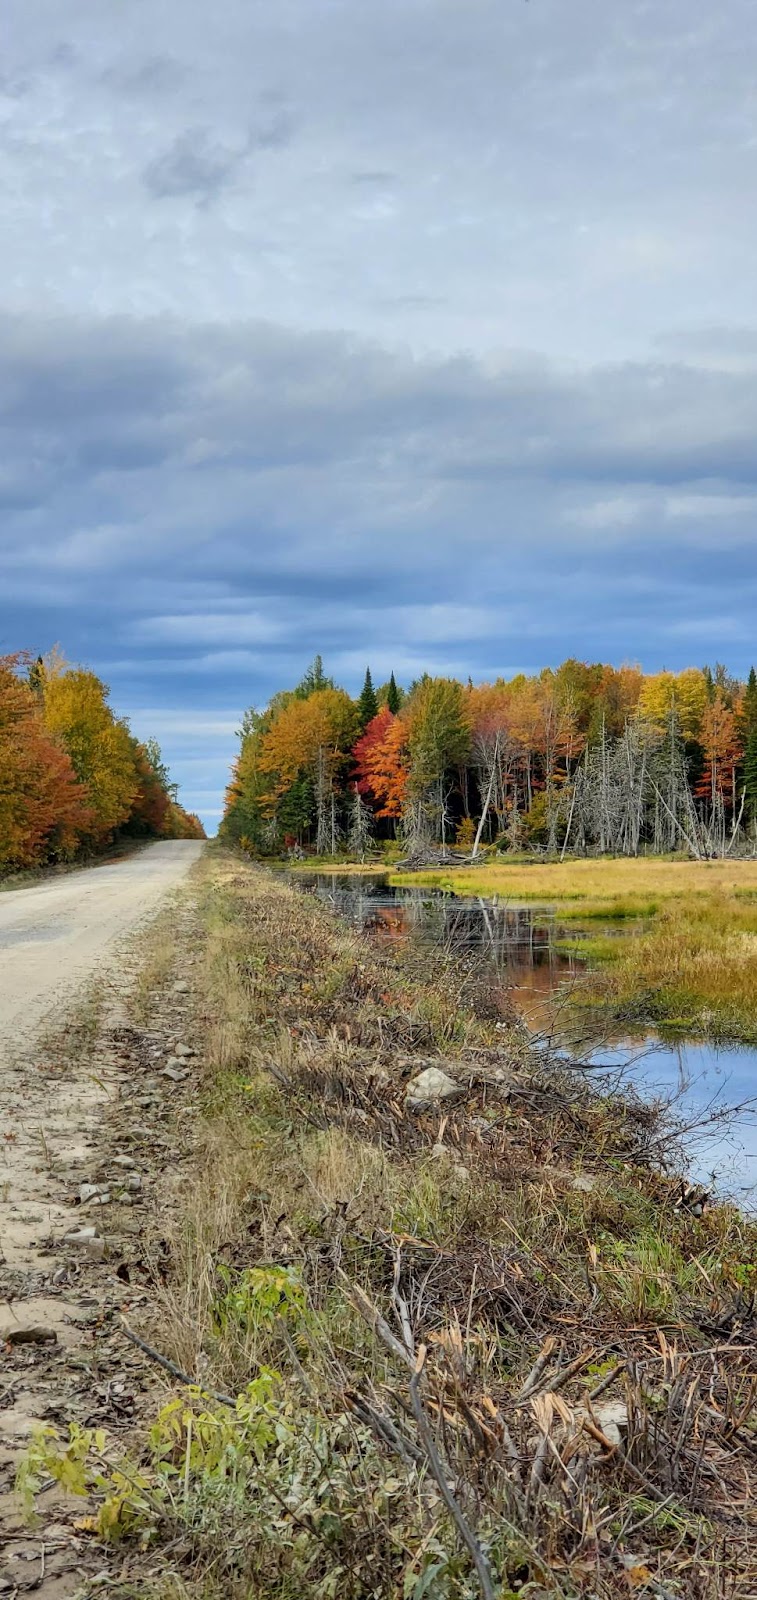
447	1344
75	782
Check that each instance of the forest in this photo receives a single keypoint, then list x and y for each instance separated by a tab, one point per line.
74	780
586	759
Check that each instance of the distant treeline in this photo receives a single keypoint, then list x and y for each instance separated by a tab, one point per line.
73	778
587	757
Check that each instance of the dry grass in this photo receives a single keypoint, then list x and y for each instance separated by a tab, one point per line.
694	966
610	885
319	1205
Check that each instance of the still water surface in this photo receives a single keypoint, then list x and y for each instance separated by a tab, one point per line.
521	948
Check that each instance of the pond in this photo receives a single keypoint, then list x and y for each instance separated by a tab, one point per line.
523	948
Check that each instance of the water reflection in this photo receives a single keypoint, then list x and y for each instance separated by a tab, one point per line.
521	946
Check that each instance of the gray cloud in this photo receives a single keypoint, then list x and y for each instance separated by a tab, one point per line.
192	165
423	334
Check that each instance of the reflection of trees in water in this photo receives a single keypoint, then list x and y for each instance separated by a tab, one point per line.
517	948
513	941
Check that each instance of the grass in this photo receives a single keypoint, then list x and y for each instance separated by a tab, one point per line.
329	1243
617	886
689	960
692	960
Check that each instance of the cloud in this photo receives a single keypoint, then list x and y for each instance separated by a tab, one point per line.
192	165
429	347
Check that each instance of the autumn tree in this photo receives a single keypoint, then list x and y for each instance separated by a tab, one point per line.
76	712
438	744
310	738
44	810
381	764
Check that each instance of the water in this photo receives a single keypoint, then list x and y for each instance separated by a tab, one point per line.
521	947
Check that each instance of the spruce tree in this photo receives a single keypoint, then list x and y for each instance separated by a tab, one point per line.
393	696
367	704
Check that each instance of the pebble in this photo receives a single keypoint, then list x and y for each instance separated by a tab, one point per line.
122	1161
174	1074
184	1050
182	987
80	1236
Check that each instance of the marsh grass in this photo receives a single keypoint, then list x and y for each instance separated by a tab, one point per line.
526	1239
688	962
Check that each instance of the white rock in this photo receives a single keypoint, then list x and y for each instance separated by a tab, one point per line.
184	1050
174	1073
88	1191
612	1418
583	1183
429	1088
182	987
80	1236
122	1161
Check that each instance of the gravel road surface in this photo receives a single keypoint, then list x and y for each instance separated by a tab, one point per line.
55	935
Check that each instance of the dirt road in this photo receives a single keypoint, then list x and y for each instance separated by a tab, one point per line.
57	934
68	1100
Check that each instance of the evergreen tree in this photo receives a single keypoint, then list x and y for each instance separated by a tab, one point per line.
367	704
750	775
314	680
393	696
748	716
37	676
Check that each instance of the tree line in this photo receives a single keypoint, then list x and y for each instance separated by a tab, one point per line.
587	757
73	777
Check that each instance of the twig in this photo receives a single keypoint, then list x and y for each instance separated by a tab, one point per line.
542	1360
427	1440
376	1321
286	1083
176	1372
384	1428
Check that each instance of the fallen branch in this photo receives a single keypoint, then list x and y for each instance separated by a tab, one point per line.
427	1440
176	1372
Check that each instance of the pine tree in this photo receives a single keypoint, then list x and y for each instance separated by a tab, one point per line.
393	696
367	704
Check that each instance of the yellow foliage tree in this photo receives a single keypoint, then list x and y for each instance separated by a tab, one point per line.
324	725
686	691
76	712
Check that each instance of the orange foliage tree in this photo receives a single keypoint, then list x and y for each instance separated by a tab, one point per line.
44	809
381	763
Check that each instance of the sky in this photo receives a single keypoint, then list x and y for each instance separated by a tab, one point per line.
418	333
